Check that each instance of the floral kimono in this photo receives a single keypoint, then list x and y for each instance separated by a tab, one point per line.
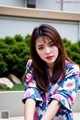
65	93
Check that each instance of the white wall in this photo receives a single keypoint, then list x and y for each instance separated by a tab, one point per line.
10	26
18	3
48	4
68	5
76	106
71	5
12	101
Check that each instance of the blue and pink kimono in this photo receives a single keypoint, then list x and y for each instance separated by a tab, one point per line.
65	93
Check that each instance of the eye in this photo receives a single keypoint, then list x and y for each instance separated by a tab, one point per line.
51	44
41	48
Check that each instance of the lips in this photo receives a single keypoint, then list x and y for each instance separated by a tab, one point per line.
49	57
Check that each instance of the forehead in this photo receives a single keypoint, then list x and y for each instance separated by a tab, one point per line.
42	40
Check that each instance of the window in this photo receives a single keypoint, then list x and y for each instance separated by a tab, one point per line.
31	3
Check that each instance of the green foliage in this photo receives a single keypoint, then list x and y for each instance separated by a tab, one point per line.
73	50
27	38
78	43
14	53
3	66
18	38
9	40
79	87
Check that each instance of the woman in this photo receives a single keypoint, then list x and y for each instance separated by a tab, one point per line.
52	79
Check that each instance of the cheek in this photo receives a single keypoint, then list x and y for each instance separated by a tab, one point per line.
39	53
56	51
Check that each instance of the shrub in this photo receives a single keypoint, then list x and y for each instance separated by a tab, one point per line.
18	38
14	53
9	40
73	50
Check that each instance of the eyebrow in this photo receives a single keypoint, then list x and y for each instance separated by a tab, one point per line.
39	45
50	42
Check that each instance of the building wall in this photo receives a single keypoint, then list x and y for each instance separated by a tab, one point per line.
71	5
10	26
60	5
17	3
15	20
49	4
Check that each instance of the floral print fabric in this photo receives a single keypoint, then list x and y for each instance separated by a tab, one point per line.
65	93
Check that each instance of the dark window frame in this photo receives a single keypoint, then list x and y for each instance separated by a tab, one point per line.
29	5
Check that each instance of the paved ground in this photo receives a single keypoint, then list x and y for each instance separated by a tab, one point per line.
76	117
17	118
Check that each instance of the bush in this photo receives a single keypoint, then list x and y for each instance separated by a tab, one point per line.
73	50
9	41
14	53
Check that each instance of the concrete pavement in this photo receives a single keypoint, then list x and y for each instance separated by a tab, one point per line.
76	117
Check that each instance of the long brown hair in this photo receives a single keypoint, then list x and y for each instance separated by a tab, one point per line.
38	65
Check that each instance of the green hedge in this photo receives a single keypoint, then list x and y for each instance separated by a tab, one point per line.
14	53
73	50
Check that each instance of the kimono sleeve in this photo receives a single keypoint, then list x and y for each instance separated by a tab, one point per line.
67	90
31	90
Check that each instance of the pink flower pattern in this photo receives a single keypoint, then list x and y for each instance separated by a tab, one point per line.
65	93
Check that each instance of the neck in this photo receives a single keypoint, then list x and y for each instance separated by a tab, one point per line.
50	66
50	72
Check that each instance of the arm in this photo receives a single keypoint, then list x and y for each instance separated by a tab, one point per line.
31	94
29	109
52	110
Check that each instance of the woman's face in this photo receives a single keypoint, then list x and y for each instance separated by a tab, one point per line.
47	50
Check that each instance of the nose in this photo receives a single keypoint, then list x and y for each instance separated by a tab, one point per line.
47	50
